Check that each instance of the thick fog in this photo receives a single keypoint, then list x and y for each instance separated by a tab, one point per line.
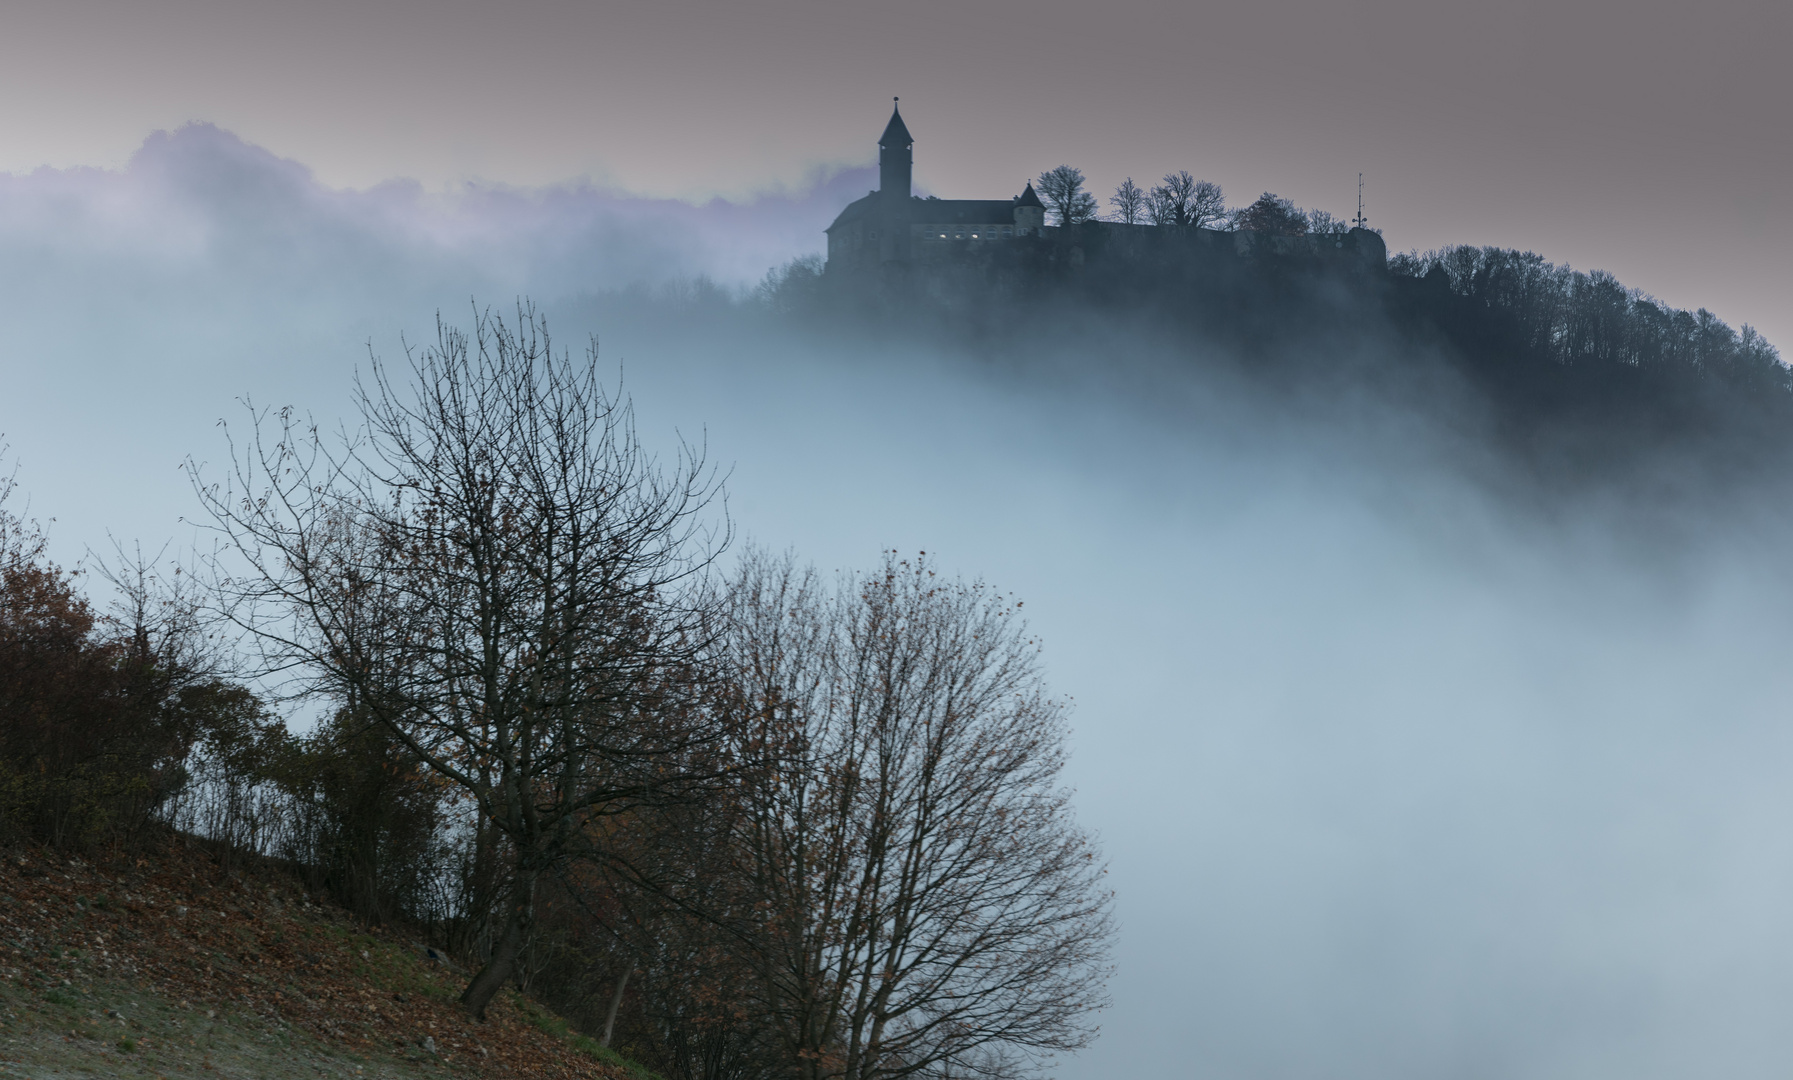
1402	773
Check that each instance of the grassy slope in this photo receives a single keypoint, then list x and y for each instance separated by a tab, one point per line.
176	967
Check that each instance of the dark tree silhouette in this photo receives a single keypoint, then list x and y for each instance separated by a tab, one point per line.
496	572
1271	214
1182	200
1322	223
923	901
1061	189
1129	203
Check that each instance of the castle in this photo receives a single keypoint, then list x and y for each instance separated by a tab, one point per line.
891	228
891	225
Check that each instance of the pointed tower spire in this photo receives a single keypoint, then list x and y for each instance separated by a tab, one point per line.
896	133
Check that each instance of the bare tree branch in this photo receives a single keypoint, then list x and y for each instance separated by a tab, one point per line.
496	570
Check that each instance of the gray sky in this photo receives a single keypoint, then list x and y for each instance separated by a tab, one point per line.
1650	139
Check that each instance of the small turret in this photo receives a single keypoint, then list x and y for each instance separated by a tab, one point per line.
1030	213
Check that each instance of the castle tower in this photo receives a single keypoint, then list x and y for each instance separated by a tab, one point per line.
896	168
896	160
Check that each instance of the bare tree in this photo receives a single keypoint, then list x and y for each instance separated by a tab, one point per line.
1129	203
926	904
1184	201
1322	223
1169	201
496	571
1062	191
1207	206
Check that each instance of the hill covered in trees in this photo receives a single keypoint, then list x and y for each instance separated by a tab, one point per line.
1572	373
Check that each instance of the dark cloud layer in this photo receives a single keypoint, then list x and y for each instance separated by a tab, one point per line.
1397	781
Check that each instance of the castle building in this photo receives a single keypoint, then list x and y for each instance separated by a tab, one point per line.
892	229
892	226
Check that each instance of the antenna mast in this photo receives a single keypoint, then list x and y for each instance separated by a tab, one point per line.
1359	219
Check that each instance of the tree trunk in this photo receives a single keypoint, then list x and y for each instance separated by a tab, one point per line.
485	985
616	1000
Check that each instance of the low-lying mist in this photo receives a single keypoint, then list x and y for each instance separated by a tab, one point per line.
1405	767
1409	760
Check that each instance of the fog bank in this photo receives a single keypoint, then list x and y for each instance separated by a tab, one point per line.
1401	773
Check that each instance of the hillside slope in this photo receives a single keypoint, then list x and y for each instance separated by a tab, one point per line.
178	966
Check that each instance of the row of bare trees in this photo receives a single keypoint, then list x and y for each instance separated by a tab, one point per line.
783	826
1179	201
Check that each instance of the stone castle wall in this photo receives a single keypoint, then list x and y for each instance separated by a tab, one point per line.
936	246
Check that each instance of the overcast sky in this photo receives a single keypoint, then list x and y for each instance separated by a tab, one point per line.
1651	139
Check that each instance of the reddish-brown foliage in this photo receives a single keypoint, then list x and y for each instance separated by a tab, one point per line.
84	749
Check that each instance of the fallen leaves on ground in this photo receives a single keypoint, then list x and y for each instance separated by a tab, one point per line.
212	939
